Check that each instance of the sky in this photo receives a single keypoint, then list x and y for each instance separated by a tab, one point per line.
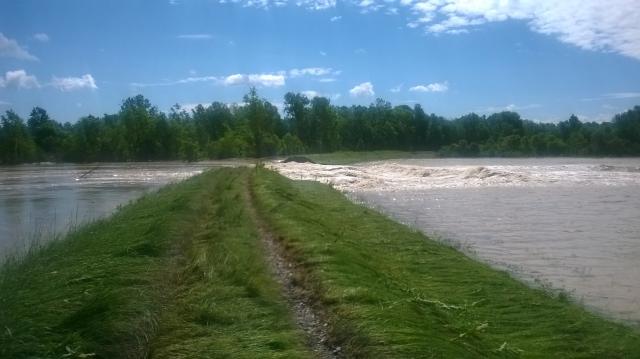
543	59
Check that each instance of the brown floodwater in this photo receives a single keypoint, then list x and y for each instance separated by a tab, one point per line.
563	223
39	201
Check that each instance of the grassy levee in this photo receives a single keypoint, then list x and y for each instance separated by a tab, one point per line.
349	157
391	292
178	273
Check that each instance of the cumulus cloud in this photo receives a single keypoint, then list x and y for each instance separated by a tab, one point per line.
74	83
364	89
19	79
434	87
311	93
609	26
335	18
266	80
41	36
11	48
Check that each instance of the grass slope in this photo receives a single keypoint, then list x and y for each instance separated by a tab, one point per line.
177	274
391	292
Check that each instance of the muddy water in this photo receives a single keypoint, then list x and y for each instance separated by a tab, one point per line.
571	224
39	201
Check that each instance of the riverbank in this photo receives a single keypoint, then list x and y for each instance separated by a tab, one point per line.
184	273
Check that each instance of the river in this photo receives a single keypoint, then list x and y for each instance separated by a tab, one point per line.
39	201
562	223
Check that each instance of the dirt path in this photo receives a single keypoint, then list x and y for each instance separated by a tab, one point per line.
307	316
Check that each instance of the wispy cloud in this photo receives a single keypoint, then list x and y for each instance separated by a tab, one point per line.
613	96
434	87
311	93
41	36
273	79
608	26
266	80
313	71
510	107
195	36
335	18
11	48
267	4
363	89
396	89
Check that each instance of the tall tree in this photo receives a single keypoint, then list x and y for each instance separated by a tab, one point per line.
16	144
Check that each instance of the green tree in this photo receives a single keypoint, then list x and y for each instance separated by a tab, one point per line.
16	144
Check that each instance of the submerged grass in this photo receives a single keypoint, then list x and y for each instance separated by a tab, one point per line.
178	273
391	292
349	157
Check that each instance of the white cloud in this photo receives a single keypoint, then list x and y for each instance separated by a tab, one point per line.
610	26
396	89
327	79
188	80
41	36
434	87
313	71
311	93
267	4
614	96
510	107
19	79
364	89
192	106
267	80
317	4
620	95
11	48
335	18
195	36
275	79
74	83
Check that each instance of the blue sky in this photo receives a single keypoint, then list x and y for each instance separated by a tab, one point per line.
544	59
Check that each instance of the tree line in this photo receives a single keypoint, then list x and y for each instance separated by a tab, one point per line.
255	128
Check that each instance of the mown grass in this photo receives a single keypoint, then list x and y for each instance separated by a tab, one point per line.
391	292
178	273
349	157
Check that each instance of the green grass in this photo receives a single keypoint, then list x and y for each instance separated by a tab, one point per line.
349	157
391	292
177	274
